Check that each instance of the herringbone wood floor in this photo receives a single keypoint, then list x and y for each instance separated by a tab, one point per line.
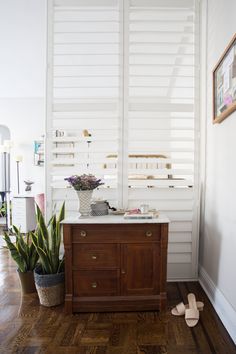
27	327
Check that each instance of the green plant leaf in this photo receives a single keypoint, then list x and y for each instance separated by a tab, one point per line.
61	265
16	230
45	262
33	255
17	257
58	227
22	248
40	238
42	226
53	235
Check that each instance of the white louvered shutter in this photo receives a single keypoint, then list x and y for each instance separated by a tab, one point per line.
85	97
126	72
161	120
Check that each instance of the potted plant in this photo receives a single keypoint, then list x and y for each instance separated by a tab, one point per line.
24	254
84	186
49	273
3	210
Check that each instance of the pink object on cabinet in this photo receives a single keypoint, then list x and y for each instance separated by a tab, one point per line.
39	200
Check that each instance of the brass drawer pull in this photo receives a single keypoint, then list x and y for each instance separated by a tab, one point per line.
94	285
83	233
94	257
148	233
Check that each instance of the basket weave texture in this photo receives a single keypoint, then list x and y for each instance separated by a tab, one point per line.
51	296
50	287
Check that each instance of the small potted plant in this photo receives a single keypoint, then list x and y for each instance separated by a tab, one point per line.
24	254
3	210
49	274
84	186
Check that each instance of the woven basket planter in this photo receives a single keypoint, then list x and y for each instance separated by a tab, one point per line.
50	287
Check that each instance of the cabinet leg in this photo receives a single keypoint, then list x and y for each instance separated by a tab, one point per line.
163	302
68	305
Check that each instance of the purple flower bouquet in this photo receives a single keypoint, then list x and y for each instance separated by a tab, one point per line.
84	182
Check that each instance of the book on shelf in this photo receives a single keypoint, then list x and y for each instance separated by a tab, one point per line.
137	216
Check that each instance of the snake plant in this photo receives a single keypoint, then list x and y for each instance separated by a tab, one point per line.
22	250
47	241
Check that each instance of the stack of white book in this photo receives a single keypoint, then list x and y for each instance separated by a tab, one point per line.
148	215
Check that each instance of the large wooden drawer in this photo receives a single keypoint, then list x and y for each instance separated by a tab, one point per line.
116	233
96	256
95	283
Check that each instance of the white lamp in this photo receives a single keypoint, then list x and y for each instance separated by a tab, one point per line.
5	149
18	159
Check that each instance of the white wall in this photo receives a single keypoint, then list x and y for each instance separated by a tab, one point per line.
218	238
23	80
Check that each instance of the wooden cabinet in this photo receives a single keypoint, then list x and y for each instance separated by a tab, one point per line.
114	264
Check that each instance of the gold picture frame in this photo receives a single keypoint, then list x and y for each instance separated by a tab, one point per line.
224	83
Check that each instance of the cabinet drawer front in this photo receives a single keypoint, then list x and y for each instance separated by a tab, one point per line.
95	233
133	233
95	283
96	256
115	233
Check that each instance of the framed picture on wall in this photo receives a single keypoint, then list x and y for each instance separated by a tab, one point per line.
224	84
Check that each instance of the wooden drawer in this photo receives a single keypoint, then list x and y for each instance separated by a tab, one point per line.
95	283
115	233
96	256
94	233
132	233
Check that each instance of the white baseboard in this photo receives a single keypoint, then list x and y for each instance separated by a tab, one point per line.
221	305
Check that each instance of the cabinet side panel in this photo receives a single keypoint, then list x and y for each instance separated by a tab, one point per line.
68	268
163	264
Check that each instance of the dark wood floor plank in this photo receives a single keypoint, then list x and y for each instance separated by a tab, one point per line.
152	349
27	327
202	342
211	323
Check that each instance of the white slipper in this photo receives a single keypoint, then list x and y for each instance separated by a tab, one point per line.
179	310
192	314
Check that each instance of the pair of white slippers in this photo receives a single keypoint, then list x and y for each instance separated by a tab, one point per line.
190	311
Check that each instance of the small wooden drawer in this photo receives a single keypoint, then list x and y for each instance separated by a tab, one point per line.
133	233
94	233
95	283
115	233
96	256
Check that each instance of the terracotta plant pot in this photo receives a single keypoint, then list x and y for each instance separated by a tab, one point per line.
27	282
